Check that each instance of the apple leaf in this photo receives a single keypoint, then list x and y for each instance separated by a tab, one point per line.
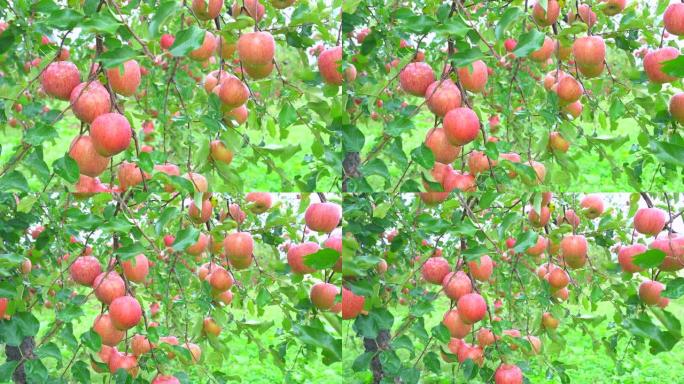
668	152
525	240
649	259
674	289
323	259
528	43
164	10
185	238
509	16
187	40
674	67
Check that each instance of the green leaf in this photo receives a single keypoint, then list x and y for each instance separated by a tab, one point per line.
362	362
14	181
525	240
466	57
128	252
528	43
21	325
649	259
509	16
674	67
118	56
318	337
668	152
67	169
674	288
101	22
163	11
323	259
81	372
423	156
91	340
39	133
287	116
660	341
7	369
167	215
185	238
49	350
187	40
353	139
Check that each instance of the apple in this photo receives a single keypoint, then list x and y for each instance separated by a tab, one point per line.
130	175
352	304
558	279
220	279
558	143
226	48
84	270
239	247
323	217
60	78
90	162
456	326
585	14
195	351
381	267
104	327
544	53
166	41
236	116
649	292
570	217
538	220
323	295
677	107
295	257
443	151
574	110
673	247
510	44
442	96
461	126
433	198
257	48
125	83
110	133
481	269
108	286
137	270
199	246
210	327
261	201
673	18
140	345
125	361
416	77
125	312
253	8
478	162
200	216
232	92
548	321
330	65
626	256
613	7
435	269
198	181
589	50
653	63
361	35
472	352
649	221
593	206
485	337
474	80
165	379
552	78
508	374
471	308
282	4
206	10
568	89
89	102
462	181
548	16
219	152
335	242
538	248
574	250
207	48
456	284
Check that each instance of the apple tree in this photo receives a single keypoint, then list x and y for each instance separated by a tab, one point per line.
141	288
502	288
481	95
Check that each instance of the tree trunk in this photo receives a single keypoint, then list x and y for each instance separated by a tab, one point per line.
380	343
16	353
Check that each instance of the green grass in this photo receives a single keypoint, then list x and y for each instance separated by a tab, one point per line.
585	361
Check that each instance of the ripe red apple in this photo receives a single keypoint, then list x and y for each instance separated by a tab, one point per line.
472	352
510	44
261	201
508	374
165	379
558	279
233	92
653	64
253	8
130	175
677	107
166	41
200	216
104	327
613	7
456	326
649	292
108	286
323	295
323	217
570	217
125	312
110	134
593	206
443	151
538	248
125	82
90	163
236	116
462	181
548	321
295	257
435	269
219	152
481	269
415	78
257	48
210	327
330	65
649	221
544	53
589	50
474	80
335	242
485	337
207	48
352	304
471	308
84	270
125	361
548	16
574	109
442	96
558	143
206	10
220	280
60	78
626	255
456	284
140	345
574	250
137	270
539	220
673	18
89	102
461	126
200	246
568	89
198	181
239	248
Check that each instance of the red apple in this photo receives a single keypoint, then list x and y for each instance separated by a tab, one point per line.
104	327
508	374
295	257
481	269
471	308
613	7
474	79
165	379
84	270
352	304
323	217
461	126
166	41
649	221
548	16
257	48
677	107
90	163
207	48
323	295
574	250
110	134
261	201
544	53
136	270
200	246
253	9
649	292
125	82
443	151
130	175
673	18
125	361
233	92
330	65
415	78
108	286
206	9
60	78
442	96
456	284
593	206
456	326
653	64
435	269
89	102
125	312
626	256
